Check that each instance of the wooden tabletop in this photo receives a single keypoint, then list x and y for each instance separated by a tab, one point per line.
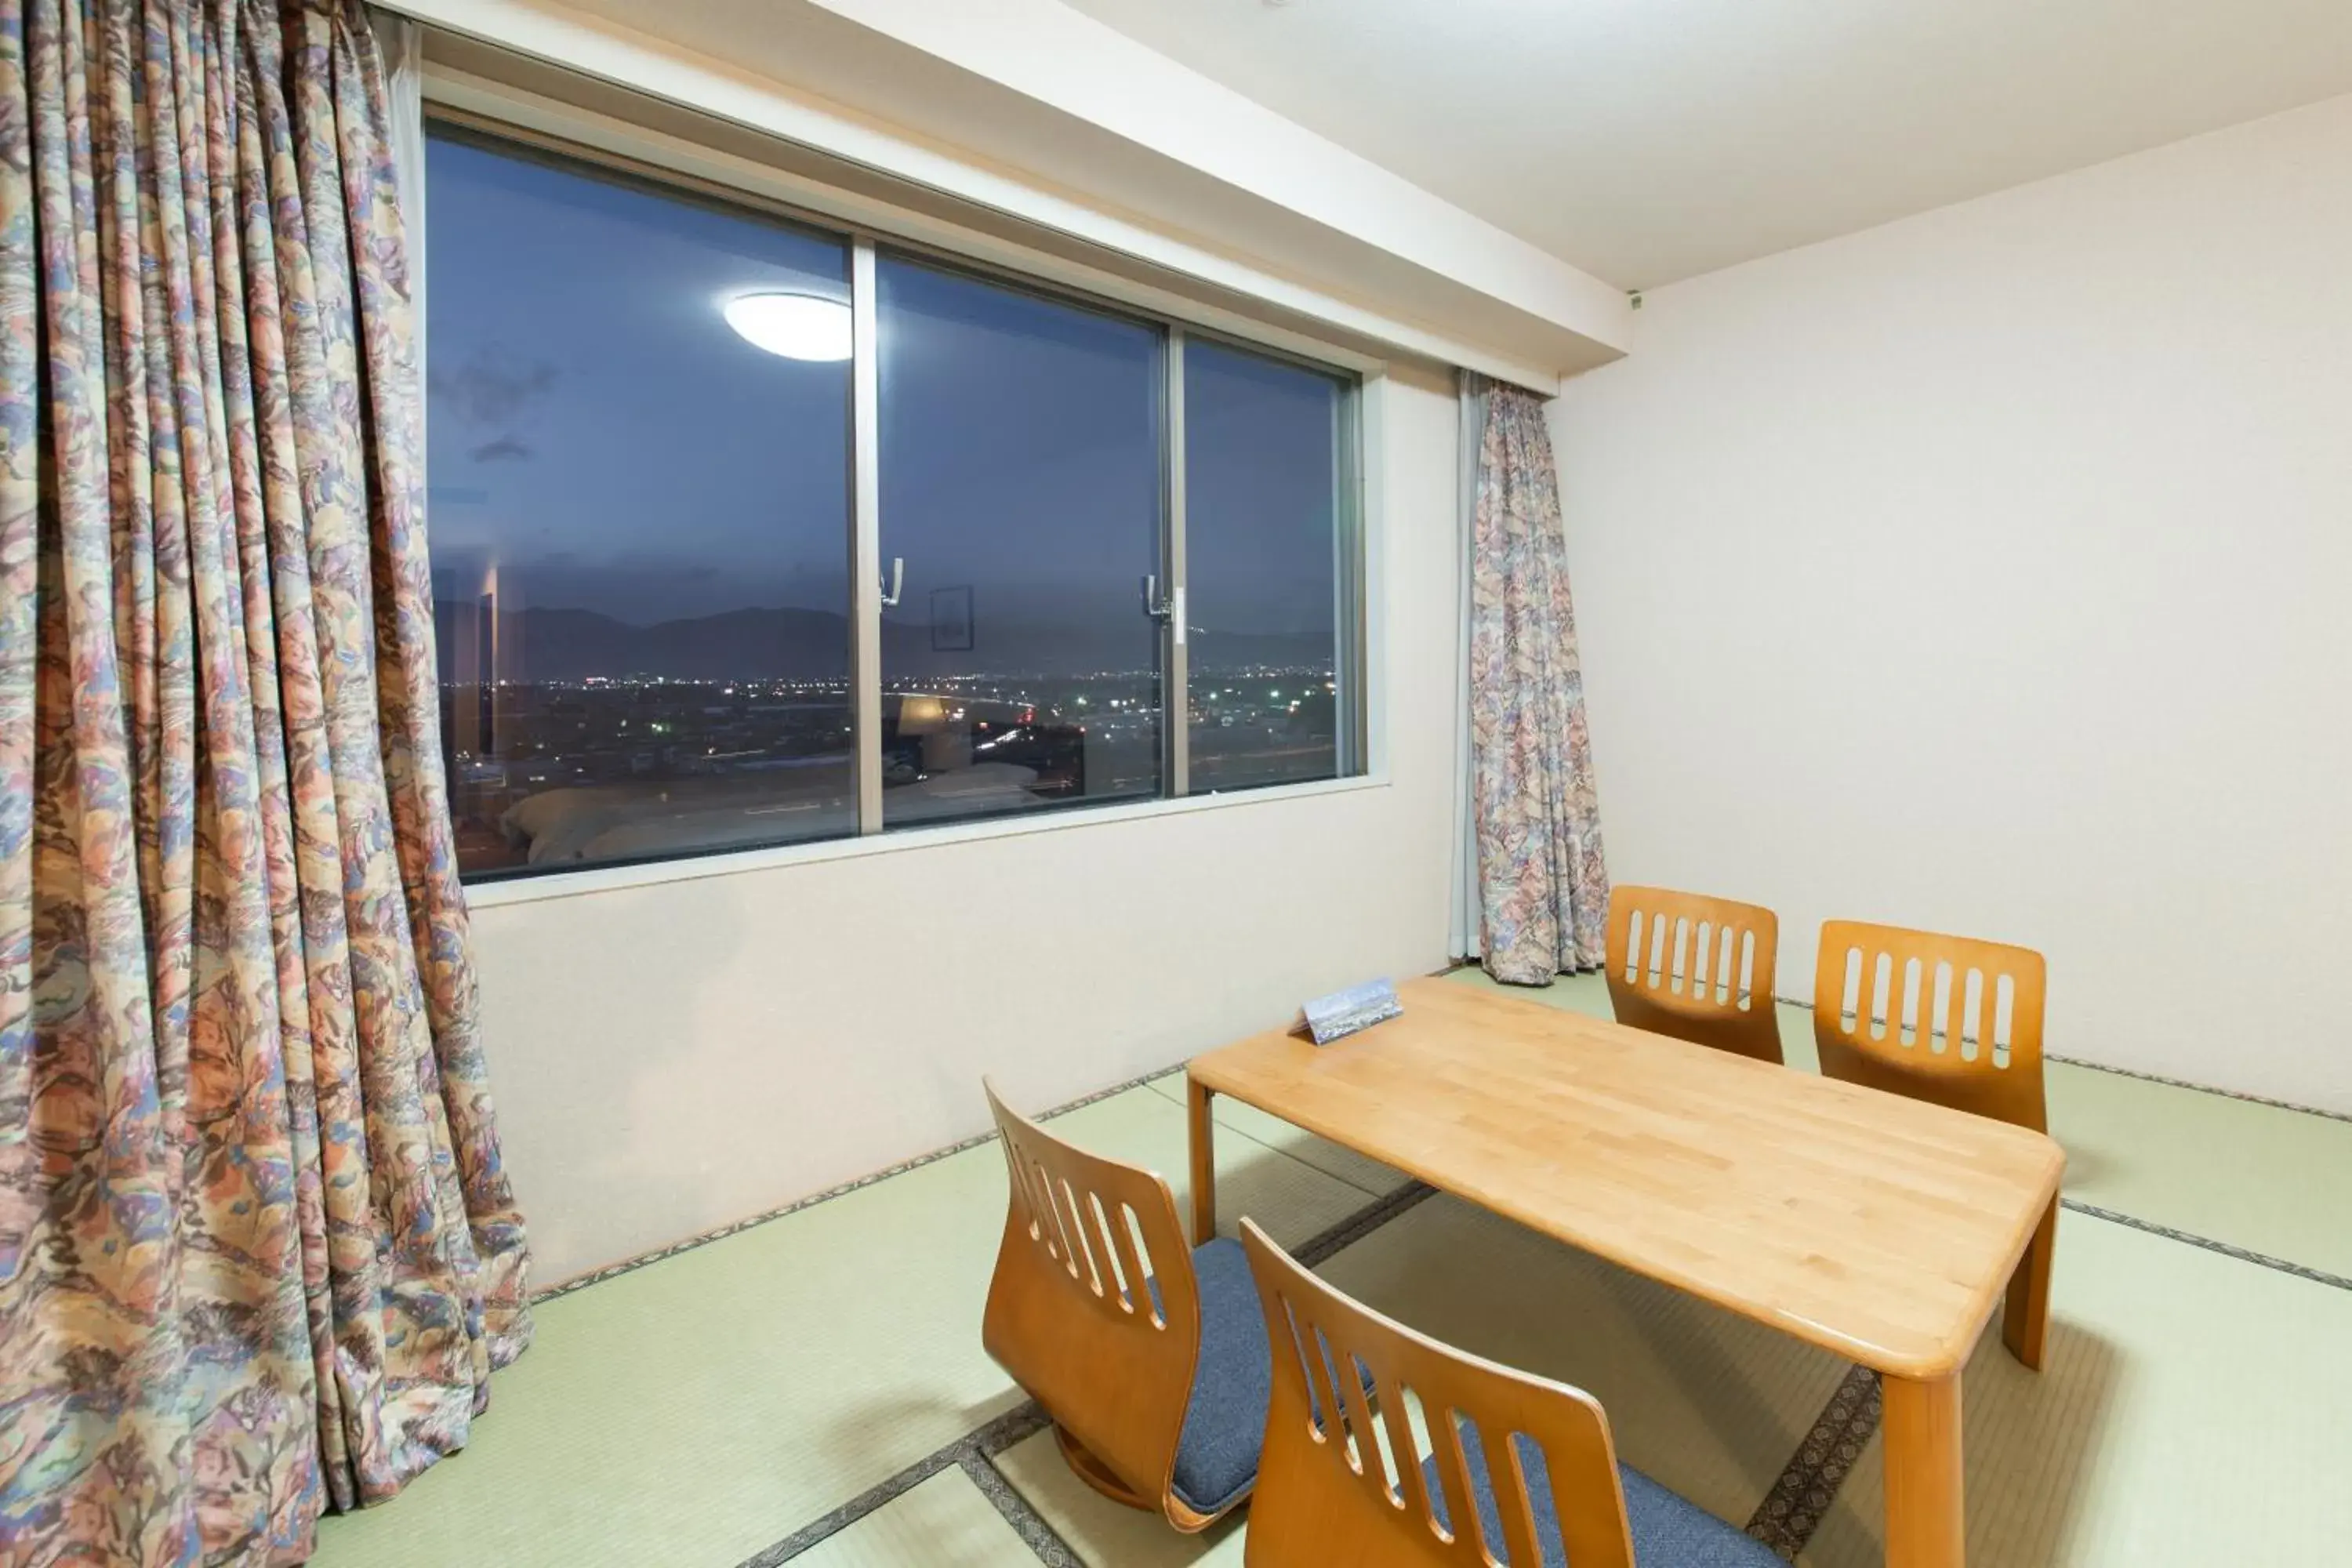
1878	1227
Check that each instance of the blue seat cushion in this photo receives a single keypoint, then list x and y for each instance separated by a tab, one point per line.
1224	1418
1668	1532
1233	1383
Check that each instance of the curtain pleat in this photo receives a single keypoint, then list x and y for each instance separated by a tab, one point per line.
1543	881
258	1251
1463	914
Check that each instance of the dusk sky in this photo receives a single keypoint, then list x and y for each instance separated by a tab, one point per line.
600	432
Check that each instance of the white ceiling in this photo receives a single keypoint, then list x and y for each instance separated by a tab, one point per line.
1056	129
1646	141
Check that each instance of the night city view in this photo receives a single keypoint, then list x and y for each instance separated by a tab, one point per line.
621	768
640	523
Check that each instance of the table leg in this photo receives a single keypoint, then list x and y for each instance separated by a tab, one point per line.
1924	1525
2025	1321
1204	1161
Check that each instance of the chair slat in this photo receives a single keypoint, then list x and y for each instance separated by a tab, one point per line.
2006	1086
1997	996
1390	1411
1310	1510
1508	1479
1666	968
1115	1376
1131	1262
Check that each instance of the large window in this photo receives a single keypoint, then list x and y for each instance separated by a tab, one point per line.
1021	484
1267	467
744	533
639	521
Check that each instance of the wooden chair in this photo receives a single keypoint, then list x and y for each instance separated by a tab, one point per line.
1151	1357
1697	968
1373	1487
1953	1020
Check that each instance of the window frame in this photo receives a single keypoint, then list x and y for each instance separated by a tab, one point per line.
525	125
1350	545
868	342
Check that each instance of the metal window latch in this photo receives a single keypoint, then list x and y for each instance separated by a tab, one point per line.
898	581
1166	608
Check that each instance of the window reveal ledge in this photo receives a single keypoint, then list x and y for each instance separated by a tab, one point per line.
480	896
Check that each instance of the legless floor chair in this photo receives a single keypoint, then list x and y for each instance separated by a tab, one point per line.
1956	1021
1695	967
1149	1356
1451	1460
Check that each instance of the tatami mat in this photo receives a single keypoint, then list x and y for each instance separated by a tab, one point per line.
1368	1176
1704	1402
696	1410
699	1408
946	1519
2272	1180
2195	1412
1106	1535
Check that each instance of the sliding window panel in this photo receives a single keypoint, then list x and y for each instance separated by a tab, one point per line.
1269	550
639	412
1022	497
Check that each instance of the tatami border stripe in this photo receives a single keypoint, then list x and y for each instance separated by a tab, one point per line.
1785	1521
2202	1087
975	1452
972	1453
1793	1509
1320	1249
1027	1523
2243	1255
736	1227
1807	1008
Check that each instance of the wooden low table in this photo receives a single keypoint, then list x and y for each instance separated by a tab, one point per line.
1882	1228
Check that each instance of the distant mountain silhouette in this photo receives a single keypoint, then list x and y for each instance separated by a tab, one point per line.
745	644
765	644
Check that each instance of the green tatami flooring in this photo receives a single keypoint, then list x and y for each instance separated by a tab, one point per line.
2193	1410
2272	1181
945	1519
698	1409
702	1411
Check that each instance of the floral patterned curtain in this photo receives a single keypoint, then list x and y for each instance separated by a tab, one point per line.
1543	886
257	1253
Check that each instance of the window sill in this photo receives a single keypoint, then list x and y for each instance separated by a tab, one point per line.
612	878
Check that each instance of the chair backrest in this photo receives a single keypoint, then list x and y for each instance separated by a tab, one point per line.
1697	968
1943	1019
1354	1489
1093	1307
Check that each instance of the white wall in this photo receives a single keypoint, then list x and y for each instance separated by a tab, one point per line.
669	1058
1162	165
1988	571
1096	74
